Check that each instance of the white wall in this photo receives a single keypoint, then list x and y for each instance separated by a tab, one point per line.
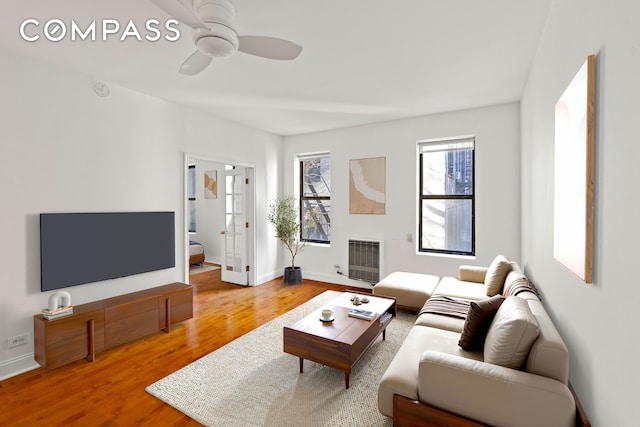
235	144
66	150
598	321
497	189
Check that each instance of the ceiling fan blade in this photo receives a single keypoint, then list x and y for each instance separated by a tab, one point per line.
197	62
180	11
269	47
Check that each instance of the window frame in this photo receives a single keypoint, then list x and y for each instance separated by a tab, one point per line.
422	197
302	198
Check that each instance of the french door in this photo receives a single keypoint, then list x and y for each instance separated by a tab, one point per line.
234	247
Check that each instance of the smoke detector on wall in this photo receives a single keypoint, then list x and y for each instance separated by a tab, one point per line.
101	89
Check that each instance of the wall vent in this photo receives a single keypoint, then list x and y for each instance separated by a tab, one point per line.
364	260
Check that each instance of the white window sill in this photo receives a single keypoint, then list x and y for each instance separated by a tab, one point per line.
451	256
320	245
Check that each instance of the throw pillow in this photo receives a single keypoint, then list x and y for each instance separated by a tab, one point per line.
511	334
497	272
477	323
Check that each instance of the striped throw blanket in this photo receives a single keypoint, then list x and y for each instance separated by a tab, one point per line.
447	306
457	307
521	284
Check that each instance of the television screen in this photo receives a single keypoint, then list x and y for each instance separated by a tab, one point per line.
78	248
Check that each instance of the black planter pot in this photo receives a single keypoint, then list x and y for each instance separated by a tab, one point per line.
292	276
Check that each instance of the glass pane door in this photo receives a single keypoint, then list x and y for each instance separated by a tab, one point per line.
234	259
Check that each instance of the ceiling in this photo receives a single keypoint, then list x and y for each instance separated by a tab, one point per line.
363	61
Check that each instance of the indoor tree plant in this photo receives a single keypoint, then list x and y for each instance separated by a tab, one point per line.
283	215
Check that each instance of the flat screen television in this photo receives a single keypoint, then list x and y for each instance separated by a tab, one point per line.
78	248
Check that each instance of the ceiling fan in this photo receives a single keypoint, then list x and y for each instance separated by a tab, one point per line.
215	36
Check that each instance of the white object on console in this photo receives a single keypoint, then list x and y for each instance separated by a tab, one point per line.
59	299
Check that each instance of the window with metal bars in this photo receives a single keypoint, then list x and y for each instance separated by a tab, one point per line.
446	196
315	198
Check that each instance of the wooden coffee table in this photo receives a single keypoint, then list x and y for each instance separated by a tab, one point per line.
341	343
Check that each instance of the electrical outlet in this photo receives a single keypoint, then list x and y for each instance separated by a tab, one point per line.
18	340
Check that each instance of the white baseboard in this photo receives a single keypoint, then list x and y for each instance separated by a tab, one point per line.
212	260
264	278
336	278
16	366
321	277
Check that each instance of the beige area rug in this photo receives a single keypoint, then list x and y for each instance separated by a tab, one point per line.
197	269
252	382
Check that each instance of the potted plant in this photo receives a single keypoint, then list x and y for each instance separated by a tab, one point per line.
283	215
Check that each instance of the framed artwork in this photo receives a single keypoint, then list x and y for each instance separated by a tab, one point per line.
574	174
211	184
367	186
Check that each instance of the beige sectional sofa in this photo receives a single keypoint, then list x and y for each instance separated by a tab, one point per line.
515	375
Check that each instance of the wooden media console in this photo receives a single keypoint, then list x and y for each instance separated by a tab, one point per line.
100	325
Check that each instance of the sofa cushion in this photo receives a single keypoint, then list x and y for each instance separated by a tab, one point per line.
472	273
454	288
548	355
437	321
492	395
410	290
511	334
477	323
401	376
497	272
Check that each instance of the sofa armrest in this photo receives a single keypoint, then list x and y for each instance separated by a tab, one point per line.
493	394
472	273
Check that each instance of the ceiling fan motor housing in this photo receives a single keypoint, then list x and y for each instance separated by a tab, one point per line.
219	39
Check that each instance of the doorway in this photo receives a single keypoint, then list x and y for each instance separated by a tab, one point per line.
219	213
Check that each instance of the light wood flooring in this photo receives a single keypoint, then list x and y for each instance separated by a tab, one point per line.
111	390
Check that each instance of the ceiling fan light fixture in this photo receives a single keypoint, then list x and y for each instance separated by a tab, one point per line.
218	41
216	46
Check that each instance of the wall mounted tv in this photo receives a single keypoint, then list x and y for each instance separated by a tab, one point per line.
78	248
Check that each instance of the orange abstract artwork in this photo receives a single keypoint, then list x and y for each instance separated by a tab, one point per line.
211	184
367	186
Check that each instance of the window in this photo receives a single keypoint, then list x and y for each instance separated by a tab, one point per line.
191	197
446	196
315	198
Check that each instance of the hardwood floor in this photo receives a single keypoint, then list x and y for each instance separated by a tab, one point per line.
111	390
